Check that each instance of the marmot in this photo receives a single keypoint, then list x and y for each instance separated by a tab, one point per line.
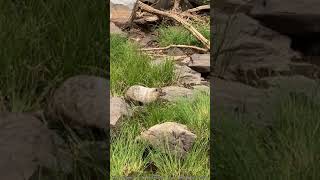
142	94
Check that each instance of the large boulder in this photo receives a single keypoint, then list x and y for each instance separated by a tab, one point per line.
248	51
289	16
81	101
121	10
25	144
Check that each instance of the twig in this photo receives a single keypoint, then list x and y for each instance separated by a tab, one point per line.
173	46
188	26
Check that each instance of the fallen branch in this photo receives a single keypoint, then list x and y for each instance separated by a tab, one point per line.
175	46
199	8
188	26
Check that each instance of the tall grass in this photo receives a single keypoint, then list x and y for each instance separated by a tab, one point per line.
44	42
288	150
178	35
131	67
127	154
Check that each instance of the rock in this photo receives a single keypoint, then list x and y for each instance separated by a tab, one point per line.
120	11
115	29
200	63
175	52
118	109
286	15
296	83
234	6
234	97
25	144
251	51
170	136
202	88
142	94
174	93
185	61
187	76
305	69
81	100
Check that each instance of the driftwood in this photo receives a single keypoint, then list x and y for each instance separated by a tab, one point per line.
177	18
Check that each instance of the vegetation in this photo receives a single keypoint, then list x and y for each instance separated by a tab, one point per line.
130	67
128	157
42	44
126	153
179	35
289	150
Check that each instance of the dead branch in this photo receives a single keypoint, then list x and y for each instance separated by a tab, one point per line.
199	8
175	46
188	26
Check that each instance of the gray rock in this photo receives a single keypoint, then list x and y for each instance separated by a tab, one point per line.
296	83
286	15
118	109
81	100
175	52
187	76
174	93
237	98
200	63
250	51
25	144
170	136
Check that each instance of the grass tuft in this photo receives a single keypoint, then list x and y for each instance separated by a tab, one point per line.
178	35
130	67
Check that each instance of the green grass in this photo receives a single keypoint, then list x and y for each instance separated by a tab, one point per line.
129	67
179	35
288	151
126	154
42	44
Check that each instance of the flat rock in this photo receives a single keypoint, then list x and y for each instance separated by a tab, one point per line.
25	144
174	93
81	100
170	136
200	63
187	76
118	109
